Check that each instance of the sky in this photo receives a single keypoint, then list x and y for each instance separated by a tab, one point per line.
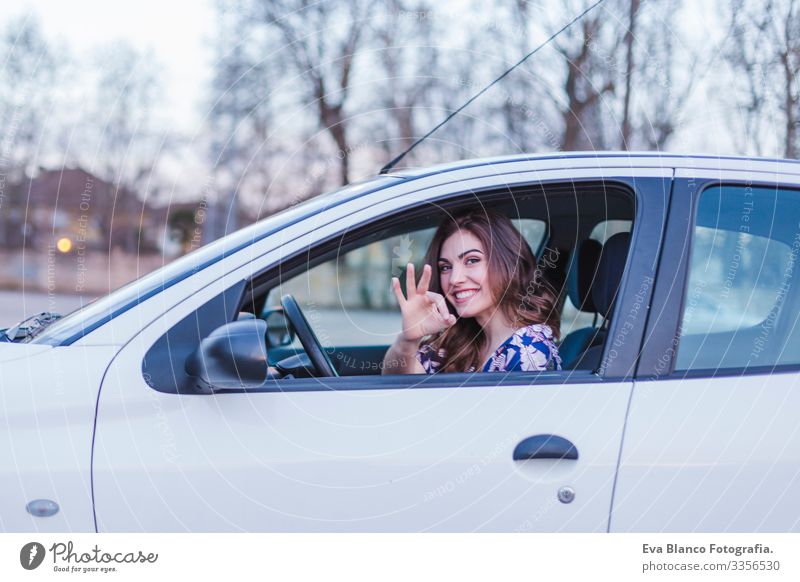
179	33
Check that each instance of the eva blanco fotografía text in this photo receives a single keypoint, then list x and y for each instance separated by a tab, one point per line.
706	549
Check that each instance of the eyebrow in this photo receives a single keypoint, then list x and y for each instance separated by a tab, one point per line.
462	254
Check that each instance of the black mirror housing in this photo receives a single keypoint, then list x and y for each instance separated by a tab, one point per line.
234	355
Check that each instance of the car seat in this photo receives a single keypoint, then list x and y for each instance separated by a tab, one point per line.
604	291
582	272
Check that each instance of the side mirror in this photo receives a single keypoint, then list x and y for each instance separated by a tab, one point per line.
279	332
234	355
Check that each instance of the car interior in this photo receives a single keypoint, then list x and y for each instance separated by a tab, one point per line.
331	312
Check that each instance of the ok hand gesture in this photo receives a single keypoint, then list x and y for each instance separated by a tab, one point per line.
424	312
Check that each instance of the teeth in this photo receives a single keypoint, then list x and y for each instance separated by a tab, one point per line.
465	294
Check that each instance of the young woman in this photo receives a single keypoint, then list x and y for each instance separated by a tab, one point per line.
479	304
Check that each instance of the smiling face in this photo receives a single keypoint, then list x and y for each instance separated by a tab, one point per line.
464	276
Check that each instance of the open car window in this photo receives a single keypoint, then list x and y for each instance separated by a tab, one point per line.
348	300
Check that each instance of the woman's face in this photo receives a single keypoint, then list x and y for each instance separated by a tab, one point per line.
464	276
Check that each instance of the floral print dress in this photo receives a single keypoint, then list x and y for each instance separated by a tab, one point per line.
529	349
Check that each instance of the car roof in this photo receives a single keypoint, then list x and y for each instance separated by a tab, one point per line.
611	159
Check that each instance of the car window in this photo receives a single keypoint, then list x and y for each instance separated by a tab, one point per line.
740	305
348	300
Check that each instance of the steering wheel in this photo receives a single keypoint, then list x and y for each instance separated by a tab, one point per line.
319	358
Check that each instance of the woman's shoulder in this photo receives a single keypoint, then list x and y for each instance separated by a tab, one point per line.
535	347
535	332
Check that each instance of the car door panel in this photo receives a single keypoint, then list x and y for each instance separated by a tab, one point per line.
711	455
411	459
716	449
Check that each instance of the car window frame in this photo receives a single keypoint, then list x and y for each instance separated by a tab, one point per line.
659	352
650	197
650	189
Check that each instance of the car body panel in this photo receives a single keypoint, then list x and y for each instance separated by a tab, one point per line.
14	351
694	453
47	411
367	460
719	455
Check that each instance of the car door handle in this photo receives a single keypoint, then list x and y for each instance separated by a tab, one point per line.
545	446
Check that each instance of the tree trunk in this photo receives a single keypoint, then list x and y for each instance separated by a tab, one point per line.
332	119
629	67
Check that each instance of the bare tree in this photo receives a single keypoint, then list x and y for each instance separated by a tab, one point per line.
239	118
588	51
28	76
127	146
29	72
531	101
617	81
407	59
666	67
628	43
765	57
322	41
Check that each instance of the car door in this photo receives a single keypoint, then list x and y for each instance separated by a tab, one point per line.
376	453
712	442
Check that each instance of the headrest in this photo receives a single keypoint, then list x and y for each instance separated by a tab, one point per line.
609	272
582	273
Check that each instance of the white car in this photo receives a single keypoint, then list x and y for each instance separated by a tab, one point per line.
151	409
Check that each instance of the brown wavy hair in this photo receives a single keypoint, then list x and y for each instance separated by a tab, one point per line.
515	282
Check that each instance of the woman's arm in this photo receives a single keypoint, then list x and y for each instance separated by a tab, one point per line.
401	358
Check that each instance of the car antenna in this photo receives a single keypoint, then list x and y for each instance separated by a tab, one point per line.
390	165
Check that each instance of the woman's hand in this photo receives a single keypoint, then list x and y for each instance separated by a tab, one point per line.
424	312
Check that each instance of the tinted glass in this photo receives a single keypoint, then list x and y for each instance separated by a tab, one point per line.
741	301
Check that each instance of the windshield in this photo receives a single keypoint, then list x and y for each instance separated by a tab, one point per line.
91	316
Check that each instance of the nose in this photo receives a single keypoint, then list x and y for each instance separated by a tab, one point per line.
457	275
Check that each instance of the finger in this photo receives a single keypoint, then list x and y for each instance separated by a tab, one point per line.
441	307
425	280
411	285
398	292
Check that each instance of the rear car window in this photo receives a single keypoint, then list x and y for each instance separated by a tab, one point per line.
741	301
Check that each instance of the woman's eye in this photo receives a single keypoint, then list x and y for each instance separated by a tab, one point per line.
473	260
444	268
